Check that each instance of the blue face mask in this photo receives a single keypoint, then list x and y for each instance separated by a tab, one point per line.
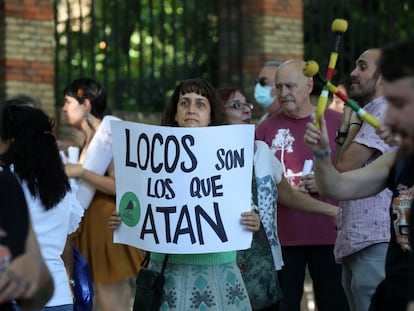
263	96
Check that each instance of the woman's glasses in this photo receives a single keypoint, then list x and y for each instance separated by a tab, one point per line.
239	106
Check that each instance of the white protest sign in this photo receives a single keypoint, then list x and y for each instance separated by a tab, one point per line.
97	159
182	190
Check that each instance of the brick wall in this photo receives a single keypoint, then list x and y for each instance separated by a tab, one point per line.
271	29
27	50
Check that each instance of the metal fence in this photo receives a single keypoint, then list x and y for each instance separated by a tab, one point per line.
140	48
371	23
137	48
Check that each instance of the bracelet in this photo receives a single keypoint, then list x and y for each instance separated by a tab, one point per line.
322	155
340	137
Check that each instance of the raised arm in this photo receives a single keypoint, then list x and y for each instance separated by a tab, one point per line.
353	184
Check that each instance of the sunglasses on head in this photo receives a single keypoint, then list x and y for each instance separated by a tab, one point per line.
262	81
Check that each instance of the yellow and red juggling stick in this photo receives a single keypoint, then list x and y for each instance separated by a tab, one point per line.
339	26
312	66
311	69
322	103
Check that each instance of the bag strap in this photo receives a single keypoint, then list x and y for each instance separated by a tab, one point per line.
259	236
146	260
164	263
254	188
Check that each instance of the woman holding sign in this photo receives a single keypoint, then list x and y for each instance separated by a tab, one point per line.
195	103
210	281
111	264
271	186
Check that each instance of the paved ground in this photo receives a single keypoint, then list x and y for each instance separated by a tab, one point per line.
308	302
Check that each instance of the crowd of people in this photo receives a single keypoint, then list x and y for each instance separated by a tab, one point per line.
332	197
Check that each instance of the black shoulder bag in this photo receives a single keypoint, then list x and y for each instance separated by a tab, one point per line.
150	285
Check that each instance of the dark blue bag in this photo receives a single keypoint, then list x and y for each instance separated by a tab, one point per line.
83	287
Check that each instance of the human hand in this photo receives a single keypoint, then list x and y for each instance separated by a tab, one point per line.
317	139
308	184
74	170
251	220
385	133
21	279
335	215
332	211
114	220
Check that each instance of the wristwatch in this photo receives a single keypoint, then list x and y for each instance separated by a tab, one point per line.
340	137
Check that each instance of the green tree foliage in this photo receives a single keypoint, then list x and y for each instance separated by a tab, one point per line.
139	49
371	23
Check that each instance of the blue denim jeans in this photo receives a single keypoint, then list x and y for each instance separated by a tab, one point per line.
54	308
361	274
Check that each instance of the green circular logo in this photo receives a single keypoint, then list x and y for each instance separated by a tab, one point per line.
130	209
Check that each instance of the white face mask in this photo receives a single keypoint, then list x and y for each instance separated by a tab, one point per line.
263	96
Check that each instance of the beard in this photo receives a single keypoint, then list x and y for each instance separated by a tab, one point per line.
363	94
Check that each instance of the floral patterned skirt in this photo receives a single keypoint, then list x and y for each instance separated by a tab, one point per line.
203	287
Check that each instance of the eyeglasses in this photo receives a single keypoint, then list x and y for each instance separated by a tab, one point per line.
239	106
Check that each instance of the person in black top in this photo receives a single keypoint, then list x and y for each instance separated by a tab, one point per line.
24	277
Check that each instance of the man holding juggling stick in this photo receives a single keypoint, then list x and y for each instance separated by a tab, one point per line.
311	69
392	170
362	224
